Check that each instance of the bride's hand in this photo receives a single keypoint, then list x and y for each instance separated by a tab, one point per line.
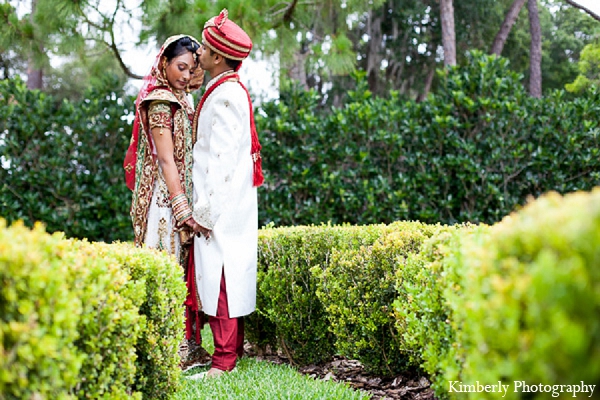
205	232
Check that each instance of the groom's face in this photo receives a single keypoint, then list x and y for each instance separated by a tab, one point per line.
207	58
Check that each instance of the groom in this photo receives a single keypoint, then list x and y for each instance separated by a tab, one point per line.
226	174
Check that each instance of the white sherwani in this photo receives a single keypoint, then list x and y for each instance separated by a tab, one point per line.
225	201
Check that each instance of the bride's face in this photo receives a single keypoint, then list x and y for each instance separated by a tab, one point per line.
179	70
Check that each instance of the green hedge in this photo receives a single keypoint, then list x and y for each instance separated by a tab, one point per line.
38	316
515	301
61	162
424	320
530	299
86	320
357	288
472	151
326	290
165	291
288	308
109	325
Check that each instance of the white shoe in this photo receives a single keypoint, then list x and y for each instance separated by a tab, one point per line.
192	366
197	377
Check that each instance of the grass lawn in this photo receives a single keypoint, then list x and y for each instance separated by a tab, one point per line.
253	379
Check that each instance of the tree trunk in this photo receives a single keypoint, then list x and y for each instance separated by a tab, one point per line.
4	66
535	56
34	74
297	71
448	33
374	50
509	21
428	81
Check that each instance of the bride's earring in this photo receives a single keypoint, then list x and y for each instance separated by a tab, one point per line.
164	68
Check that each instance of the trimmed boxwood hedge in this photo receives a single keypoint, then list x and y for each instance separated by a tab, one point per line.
87	320
513	301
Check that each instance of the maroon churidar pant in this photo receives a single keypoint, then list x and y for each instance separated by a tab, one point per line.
228	334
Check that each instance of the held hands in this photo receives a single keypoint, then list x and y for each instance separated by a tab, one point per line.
198	229
183	214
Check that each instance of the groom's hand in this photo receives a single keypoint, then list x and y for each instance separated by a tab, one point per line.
198	229
204	232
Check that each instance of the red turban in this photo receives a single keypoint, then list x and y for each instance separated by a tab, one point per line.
226	38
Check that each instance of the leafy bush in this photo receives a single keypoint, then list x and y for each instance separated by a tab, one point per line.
286	293
423	318
158	374
287	288
531	295
61	163
516	301
38	315
69	320
510	302
109	326
471	152
357	288
87	320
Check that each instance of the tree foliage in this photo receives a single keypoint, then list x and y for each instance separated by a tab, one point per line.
589	69
80	37
318	43
409	52
565	31
309	38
